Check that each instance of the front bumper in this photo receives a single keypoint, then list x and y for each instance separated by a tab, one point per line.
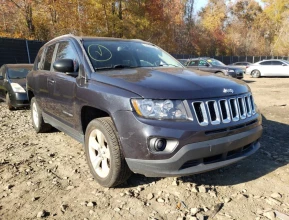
202	156
19	100
238	75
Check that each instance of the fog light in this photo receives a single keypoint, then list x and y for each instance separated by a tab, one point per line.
162	145
158	144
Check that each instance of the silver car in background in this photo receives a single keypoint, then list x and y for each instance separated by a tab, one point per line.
272	67
242	65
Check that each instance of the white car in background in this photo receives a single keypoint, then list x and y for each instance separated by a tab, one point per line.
273	67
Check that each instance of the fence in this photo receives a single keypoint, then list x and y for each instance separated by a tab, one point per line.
232	59
25	51
18	50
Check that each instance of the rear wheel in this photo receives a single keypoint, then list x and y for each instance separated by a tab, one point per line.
103	153
8	102
255	74
37	120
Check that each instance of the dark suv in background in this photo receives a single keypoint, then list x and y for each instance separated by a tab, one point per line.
12	85
211	65
138	109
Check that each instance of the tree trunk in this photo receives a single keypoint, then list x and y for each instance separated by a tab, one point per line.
29	19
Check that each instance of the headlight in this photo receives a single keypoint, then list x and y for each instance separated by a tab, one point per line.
160	109
17	88
231	71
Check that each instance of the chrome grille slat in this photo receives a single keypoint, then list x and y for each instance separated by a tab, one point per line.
214	113
224	110
248	106
234	109
252	104
201	113
242	109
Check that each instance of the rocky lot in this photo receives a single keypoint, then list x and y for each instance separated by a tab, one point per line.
46	175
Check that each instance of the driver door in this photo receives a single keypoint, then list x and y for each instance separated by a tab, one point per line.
63	91
204	66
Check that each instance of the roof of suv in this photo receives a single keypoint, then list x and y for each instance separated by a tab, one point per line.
79	38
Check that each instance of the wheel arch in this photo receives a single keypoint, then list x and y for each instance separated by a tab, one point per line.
30	95
88	113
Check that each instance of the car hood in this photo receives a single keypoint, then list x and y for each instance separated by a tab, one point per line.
170	83
21	82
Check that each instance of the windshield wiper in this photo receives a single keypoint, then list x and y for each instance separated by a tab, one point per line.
118	66
123	66
169	64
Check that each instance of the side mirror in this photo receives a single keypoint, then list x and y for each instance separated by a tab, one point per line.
284	64
64	66
207	65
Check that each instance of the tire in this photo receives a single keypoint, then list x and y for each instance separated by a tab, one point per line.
220	74
255	74
103	153
8	102
37	120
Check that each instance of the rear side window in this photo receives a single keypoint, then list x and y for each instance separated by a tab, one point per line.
2	71
48	57
202	63
38	60
265	63
277	63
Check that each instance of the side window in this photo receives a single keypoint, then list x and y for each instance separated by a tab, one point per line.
48	57
202	63
38	61
265	63
277	63
193	63
65	51
2	71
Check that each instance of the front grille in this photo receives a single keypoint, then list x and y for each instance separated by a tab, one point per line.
224	110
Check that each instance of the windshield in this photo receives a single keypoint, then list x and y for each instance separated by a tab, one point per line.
215	62
18	72
286	61
108	54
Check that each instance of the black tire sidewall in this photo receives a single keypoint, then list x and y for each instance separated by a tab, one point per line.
111	178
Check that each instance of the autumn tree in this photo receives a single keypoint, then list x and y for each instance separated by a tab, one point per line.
213	17
242	31
276	12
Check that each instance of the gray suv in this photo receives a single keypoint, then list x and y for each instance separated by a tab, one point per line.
212	65
137	109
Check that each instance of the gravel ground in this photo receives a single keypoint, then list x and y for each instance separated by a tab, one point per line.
46	175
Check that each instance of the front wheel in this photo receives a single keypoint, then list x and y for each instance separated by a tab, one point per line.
255	74
220	74
103	153
37	120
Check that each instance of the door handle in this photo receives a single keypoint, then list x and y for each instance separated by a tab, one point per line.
51	81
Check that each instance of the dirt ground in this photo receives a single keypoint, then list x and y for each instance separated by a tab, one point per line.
46	175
